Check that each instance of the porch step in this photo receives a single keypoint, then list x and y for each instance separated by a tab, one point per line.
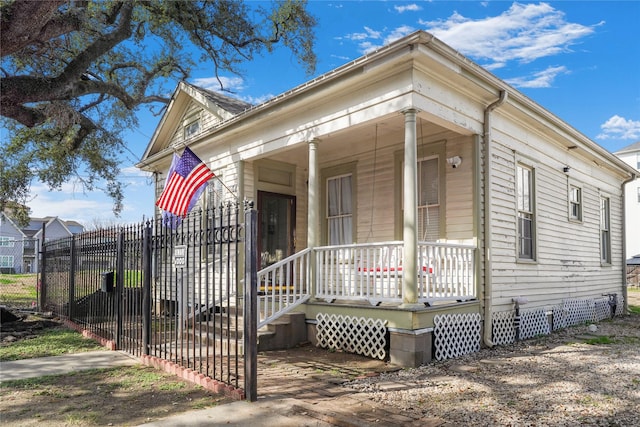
286	332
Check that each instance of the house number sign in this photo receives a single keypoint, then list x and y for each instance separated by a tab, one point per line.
180	256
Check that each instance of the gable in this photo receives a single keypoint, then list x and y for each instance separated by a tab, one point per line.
8	228
191	111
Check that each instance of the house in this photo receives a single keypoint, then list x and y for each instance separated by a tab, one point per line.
419	192
631	156
14	247
19	246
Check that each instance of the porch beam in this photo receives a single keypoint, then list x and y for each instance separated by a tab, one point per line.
410	232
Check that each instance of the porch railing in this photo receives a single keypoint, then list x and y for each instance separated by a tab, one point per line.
373	272
283	286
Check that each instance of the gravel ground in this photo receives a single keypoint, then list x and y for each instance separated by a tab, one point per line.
573	377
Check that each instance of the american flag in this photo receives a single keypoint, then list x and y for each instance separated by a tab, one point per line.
189	175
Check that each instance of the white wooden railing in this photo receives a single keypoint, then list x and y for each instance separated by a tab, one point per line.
370	271
283	286
373	272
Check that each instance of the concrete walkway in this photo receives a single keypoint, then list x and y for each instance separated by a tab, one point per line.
296	388
58	365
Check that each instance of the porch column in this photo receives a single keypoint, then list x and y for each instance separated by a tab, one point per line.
313	210
410	232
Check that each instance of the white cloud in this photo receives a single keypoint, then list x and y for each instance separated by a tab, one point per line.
541	79
620	128
524	33
407	8
367	34
366	46
228	83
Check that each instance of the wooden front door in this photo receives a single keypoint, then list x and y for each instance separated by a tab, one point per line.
276	227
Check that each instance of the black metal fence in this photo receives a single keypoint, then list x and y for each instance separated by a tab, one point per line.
174	294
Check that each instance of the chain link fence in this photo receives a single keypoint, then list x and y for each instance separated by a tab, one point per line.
18	277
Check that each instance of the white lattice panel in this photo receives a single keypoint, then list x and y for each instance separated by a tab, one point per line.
503	330
533	323
602	309
620	306
456	335
358	335
560	317
579	310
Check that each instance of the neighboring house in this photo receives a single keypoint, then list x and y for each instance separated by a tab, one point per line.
422	184
631	156
15	246
20	246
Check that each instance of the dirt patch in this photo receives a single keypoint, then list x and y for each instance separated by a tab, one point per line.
121	396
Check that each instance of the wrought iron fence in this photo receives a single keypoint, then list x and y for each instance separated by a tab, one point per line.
173	294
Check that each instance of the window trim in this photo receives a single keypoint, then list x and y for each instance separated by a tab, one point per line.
334	172
605	258
579	203
7	242
426	149
190	134
532	212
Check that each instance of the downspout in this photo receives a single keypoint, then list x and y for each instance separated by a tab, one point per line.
488	181
624	245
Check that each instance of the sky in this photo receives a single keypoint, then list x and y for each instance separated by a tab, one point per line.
578	59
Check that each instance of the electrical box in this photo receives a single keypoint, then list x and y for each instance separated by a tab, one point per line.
107	281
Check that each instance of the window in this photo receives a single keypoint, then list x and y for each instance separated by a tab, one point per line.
214	192
638	161
526	218
575	203
6	261
605	231
191	129
638	194
339	210
428	199
6	242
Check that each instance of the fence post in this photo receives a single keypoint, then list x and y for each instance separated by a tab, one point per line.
72	278
119	286
146	288
42	285
250	303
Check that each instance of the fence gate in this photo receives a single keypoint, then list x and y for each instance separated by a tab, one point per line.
171	293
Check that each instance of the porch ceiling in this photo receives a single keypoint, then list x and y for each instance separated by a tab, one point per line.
388	130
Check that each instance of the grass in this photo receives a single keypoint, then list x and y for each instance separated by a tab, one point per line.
634	309
18	290
53	342
600	340
128	395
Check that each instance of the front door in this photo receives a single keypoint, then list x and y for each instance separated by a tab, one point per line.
276	226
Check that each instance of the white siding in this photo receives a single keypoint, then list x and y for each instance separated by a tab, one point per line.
567	261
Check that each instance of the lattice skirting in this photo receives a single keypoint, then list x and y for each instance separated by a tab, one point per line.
504	331
575	311
456	335
533	323
358	335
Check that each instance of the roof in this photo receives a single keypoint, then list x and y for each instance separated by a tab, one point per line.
10	221
634	260
227	103
419	42
629	148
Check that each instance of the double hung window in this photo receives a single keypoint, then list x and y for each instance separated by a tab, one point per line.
340	210
575	203
526	213
428	199
605	231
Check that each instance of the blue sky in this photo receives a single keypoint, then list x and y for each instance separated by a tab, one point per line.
578	59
